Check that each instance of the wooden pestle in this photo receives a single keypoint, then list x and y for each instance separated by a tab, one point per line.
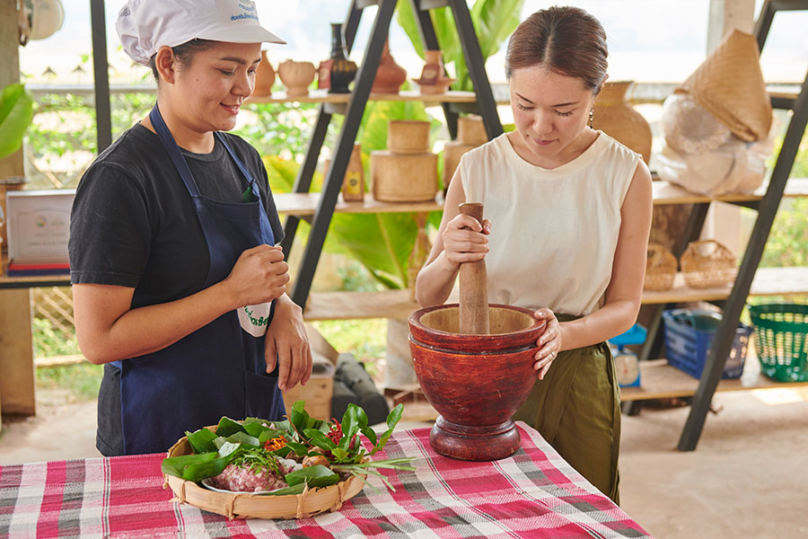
473	286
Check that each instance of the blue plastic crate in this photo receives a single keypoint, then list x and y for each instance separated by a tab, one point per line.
689	335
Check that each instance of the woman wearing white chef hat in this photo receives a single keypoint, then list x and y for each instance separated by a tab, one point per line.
178	286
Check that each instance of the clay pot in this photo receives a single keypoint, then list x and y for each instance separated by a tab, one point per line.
264	77
475	382
433	79
390	76
615	117
296	76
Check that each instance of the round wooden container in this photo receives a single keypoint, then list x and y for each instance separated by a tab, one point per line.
309	503
403	177
408	136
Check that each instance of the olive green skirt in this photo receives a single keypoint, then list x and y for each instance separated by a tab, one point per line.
576	408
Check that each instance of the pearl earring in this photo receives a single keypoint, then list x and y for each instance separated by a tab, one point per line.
591	117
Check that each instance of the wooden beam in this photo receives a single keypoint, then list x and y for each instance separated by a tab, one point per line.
16	343
17	379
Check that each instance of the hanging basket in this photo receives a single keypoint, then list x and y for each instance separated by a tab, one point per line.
708	264
660	269
254	505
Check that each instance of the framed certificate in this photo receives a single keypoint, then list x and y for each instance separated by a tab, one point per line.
39	226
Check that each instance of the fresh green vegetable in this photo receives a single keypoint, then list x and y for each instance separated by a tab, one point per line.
256	444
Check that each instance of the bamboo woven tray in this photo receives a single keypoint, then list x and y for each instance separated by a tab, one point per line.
249	505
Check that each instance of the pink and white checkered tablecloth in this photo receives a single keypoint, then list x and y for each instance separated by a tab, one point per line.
535	493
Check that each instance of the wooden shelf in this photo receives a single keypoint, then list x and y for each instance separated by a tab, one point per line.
357	305
661	381
664	193
767	282
322	96
305	204
397	303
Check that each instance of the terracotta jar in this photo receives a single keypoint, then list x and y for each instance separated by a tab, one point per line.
296	76
614	116
390	76
343	71
433	79
264	77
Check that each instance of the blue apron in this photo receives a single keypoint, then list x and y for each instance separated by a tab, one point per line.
220	369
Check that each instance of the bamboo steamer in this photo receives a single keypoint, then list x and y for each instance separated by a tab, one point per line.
408	136
470	134
403	177
242	506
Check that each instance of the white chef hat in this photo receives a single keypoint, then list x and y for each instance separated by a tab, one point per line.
146	25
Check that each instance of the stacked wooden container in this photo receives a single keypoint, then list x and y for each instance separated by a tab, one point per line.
470	134
406	171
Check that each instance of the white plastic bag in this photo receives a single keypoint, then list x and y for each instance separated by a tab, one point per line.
703	156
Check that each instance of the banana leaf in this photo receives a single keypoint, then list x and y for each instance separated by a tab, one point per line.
202	441
228	427
288	491
195	467
315	476
236	438
16	114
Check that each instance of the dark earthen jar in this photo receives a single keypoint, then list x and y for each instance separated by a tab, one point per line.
343	71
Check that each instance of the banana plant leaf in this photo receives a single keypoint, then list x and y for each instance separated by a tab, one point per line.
202	441
195	467
16	114
228	427
315	476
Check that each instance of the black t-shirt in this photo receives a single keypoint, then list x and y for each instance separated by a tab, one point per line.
133	224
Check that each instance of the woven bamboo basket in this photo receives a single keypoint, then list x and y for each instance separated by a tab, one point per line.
241	506
660	269
408	136
403	177
708	264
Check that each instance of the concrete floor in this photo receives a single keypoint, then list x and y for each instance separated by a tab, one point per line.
748	477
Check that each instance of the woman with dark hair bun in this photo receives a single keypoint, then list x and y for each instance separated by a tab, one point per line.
568	214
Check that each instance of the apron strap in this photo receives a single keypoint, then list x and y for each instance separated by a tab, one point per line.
173	150
253	185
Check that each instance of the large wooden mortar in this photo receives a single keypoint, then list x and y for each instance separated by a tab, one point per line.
475	382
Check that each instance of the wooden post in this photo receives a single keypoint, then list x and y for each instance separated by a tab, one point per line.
473	286
16	344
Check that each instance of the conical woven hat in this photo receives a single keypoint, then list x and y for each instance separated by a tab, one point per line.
729	84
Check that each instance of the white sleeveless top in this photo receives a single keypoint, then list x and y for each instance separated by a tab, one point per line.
553	232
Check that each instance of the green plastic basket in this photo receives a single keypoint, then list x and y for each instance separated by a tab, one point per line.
781	331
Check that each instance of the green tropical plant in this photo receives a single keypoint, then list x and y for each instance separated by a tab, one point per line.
16	113
494	21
